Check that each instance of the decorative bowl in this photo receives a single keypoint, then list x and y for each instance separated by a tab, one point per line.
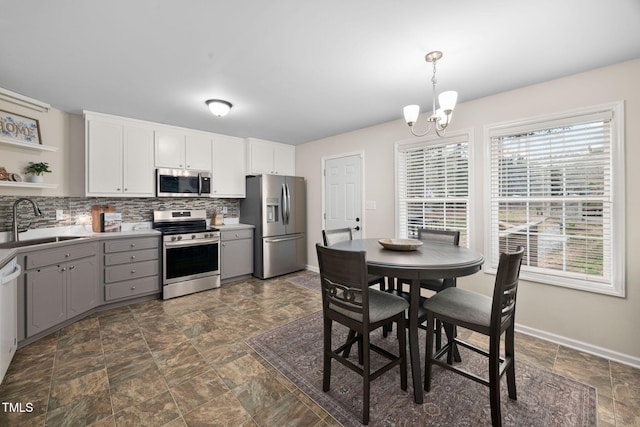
400	244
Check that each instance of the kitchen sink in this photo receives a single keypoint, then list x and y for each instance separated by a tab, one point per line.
41	241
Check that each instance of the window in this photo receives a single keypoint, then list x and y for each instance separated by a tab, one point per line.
556	187
433	185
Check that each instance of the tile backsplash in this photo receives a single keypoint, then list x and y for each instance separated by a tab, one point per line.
77	210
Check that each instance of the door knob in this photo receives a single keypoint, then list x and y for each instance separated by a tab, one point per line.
357	219
357	228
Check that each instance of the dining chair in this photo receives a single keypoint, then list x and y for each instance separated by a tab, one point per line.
337	235
331	237
348	300
490	316
446	237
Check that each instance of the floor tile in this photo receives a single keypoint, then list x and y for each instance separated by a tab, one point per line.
586	368
184	362
157	411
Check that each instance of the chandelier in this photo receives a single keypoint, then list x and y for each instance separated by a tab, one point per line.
439	118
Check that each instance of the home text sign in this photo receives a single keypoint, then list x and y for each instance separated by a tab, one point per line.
18	128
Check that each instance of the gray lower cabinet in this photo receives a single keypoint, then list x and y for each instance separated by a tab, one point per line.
131	267
60	284
237	254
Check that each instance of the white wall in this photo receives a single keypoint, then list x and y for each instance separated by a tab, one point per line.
602	324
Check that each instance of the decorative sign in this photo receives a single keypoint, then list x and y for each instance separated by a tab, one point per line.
18	128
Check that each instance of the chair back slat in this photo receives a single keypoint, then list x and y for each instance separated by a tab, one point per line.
331	237
343	276
506	287
439	236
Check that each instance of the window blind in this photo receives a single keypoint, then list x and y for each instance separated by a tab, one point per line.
551	191
433	186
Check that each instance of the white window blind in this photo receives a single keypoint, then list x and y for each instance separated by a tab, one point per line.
433	186
552	186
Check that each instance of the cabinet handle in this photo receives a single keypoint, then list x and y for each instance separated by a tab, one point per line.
117	189
67	255
133	245
133	257
72	267
63	269
133	288
133	271
126	189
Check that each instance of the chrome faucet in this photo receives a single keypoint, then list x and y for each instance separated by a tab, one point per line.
36	212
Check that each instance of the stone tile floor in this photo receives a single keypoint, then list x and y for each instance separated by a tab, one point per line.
183	362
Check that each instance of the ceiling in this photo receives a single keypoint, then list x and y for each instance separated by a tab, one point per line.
297	71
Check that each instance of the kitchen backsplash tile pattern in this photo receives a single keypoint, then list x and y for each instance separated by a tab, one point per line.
77	210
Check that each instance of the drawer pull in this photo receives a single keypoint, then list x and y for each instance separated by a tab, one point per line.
133	288
133	257
133	245
72	267
133	271
67	255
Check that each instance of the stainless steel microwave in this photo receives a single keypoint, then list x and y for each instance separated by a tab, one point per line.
182	183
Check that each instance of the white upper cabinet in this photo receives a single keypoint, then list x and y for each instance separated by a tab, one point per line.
169	149
119	157
198	151
267	157
182	150
228	167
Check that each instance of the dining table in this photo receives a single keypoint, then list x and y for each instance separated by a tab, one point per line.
427	261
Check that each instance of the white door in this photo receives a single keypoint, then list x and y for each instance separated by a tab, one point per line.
343	194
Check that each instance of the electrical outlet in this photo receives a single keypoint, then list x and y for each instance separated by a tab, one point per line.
224	209
59	215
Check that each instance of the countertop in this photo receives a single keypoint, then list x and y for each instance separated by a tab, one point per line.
230	227
6	255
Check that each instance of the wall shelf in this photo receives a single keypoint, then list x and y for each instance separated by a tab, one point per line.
26	145
26	184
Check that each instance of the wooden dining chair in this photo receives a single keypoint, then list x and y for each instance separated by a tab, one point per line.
331	237
337	235
487	316
446	237
347	299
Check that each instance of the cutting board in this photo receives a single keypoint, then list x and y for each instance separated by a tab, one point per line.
96	210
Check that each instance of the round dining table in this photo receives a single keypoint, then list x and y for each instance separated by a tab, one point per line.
428	261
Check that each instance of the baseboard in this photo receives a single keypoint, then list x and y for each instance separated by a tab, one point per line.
313	268
625	359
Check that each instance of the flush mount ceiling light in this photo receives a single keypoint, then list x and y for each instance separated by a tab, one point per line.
440	118
219	107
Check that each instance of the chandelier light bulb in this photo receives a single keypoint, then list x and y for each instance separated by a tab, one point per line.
448	100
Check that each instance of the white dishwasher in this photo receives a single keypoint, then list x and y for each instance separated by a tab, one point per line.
8	314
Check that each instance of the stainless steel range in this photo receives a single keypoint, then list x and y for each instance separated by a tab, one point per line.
190	252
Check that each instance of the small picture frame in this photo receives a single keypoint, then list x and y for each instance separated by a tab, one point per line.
17	128
110	222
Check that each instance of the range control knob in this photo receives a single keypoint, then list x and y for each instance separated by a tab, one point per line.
193	236
173	238
179	237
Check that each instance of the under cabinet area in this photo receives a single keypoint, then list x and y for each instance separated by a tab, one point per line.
237	254
60	284
131	267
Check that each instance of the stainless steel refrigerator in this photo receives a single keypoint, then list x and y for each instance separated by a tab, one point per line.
276	205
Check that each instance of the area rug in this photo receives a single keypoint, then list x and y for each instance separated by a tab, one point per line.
308	280
544	399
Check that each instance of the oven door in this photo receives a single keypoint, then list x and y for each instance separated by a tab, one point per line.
186	260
